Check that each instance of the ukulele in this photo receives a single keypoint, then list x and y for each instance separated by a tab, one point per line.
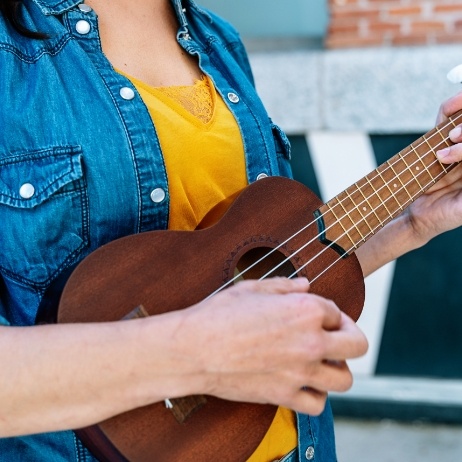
275	227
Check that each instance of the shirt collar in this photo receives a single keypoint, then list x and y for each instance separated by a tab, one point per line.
50	7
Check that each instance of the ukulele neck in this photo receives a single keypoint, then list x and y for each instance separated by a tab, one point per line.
358	212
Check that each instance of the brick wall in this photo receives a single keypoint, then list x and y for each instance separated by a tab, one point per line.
362	23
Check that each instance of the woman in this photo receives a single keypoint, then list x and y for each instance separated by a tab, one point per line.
127	116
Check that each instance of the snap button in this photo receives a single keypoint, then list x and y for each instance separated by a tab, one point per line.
26	191
309	454
84	8
261	176
233	97
157	195
82	27
127	93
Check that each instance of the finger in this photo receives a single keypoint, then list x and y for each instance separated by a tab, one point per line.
276	285
330	312
450	154
449	107
307	401
345	343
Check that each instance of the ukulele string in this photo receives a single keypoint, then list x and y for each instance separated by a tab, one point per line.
352	248
234	279
385	185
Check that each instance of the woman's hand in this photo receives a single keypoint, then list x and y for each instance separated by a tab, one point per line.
440	208
272	342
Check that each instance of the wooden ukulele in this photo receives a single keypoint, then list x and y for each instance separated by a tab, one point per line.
276	226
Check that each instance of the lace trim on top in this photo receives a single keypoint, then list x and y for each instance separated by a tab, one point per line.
196	99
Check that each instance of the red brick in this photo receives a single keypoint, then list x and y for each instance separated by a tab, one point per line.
355	14
340	3
405	11
352	42
351	28
448	8
446	38
375	26
414	39
427	26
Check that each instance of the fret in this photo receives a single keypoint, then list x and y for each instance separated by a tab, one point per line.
443	138
378	195
428	157
369	204
345	232
391	190
349	205
362	216
353	221
399	179
420	161
412	173
434	153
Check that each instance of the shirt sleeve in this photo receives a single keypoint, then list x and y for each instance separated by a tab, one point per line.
3	321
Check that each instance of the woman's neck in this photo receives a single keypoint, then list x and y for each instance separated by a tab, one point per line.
139	38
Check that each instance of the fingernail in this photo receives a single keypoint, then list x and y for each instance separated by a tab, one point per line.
455	133
443	153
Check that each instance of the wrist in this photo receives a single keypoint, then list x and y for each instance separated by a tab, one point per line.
171	352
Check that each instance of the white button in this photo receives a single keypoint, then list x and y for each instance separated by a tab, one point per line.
157	195
82	27
185	36
127	93
261	176
26	191
309	454
233	97
84	8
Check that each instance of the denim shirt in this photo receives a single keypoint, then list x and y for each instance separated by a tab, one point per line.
81	165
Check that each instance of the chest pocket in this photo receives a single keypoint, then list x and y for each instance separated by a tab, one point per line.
43	213
282	146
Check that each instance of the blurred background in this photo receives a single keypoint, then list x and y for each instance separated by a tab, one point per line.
352	82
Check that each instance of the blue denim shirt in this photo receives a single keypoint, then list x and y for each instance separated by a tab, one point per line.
81	165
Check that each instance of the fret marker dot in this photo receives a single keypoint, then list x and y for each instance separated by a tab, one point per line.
417	168
365	209
395	185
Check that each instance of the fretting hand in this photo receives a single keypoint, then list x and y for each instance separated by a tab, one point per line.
440	209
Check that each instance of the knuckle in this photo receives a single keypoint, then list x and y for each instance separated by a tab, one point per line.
346	382
318	404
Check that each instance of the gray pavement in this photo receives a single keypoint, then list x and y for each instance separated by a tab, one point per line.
390	441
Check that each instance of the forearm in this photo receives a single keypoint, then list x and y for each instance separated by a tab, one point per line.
68	376
230	345
394	240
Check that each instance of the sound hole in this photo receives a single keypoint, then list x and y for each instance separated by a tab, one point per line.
259	262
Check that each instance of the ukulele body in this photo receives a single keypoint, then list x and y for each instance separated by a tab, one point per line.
170	270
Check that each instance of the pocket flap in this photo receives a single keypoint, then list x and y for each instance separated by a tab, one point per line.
282	143
29	179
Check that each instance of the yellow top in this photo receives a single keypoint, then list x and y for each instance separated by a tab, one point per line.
205	163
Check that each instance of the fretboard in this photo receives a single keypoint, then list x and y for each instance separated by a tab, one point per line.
357	213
